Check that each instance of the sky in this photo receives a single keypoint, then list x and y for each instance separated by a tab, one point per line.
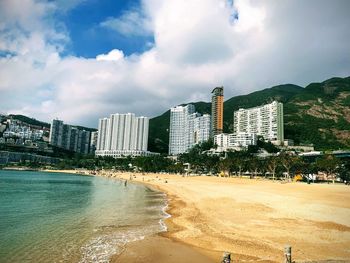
81	60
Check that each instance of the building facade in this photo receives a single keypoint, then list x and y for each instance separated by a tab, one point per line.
93	141
122	135
202	128
266	120
217	110
242	139
187	128
221	142
234	141
69	137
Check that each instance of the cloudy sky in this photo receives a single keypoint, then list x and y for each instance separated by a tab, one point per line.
79	60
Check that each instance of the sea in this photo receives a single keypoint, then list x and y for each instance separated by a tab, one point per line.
56	217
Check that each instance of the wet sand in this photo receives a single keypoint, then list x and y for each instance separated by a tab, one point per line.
160	249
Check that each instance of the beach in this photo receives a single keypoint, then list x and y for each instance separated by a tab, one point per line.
253	219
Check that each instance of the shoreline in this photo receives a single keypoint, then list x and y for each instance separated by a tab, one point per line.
173	249
252	219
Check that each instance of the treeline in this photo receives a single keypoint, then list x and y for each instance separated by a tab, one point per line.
281	165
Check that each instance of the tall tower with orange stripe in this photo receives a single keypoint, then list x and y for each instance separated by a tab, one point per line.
217	110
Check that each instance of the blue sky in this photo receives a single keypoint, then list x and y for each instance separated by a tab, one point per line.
80	60
88	38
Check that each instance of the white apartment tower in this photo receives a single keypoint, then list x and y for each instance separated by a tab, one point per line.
122	134
265	120
202	128
187	128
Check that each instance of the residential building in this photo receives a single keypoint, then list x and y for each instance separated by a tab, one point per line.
242	139
265	120
201	128
234	141
93	141
217	110
187	128
179	134
122	135
56	132
16	129
69	137
103	134
221	141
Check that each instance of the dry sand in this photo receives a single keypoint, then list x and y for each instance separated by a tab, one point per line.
252	219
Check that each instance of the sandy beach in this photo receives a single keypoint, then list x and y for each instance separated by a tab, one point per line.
253	219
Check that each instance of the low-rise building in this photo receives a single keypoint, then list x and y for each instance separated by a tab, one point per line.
234	141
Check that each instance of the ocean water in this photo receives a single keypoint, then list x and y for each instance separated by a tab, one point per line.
49	217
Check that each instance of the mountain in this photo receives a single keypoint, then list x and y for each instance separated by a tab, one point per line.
318	114
30	121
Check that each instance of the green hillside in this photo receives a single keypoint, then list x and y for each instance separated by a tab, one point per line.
320	115
317	114
282	93
30	121
35	122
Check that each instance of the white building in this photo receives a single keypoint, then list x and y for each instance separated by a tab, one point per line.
234	141
103	133
265	120
242	139
187	128
221	141
121	135
202	128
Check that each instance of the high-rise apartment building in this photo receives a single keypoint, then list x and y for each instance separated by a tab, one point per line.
217	110
122	134
56	132
265	120
202	128
187	128
93	141
179	134
69	137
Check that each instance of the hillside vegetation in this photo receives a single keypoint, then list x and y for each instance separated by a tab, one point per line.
35	122
318	114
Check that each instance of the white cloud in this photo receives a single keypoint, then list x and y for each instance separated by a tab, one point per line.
113	55
131	23
197	47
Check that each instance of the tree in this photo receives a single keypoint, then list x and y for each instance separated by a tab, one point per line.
272	164
344	171
225	166
287	160
328	164
254	165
